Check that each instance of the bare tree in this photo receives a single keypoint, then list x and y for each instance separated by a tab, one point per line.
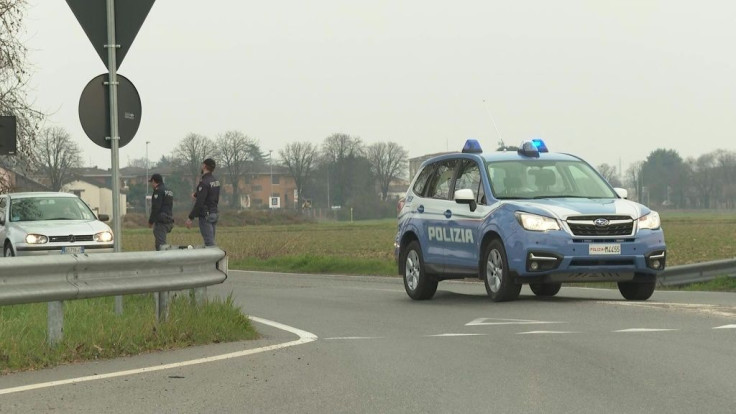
388	161
14	76
56	155
191	151
609	173
339	153
233	150
300	158
138	162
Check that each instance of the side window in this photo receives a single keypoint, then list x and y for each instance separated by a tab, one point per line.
3	203
441	182
420	185
469	177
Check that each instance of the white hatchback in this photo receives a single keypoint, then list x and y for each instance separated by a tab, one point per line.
43	223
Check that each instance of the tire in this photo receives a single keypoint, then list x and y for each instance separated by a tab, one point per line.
418	285
495	273
8	250
545	289
637	290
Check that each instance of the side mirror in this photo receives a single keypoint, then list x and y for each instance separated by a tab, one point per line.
466	196
103	217
622	193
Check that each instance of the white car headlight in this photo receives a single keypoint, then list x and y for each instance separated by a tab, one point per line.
650	221
535	222
103	237
36	239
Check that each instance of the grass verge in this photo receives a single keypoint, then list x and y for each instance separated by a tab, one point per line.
93	331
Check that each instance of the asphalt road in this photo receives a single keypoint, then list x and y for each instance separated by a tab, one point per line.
360	345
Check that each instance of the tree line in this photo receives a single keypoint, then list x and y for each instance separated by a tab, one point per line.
341	171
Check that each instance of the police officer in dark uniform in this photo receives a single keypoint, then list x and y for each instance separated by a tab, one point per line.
206	199
162	216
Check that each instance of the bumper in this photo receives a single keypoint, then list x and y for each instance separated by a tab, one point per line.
556	257
28	250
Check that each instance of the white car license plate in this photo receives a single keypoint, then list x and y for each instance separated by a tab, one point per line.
600	249
72	250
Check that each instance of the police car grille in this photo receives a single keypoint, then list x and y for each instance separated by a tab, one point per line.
67	239
585	226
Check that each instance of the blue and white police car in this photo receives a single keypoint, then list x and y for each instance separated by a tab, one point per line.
524	216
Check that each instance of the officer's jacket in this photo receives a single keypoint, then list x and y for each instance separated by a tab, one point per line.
207	196
162	203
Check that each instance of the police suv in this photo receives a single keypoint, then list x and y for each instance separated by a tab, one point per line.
524	216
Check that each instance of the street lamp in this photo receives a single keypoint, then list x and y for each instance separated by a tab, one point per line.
145	197
270	163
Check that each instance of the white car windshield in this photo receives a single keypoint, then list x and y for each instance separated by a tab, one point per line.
49	208
546	179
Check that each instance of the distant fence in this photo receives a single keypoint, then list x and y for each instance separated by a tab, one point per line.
57	278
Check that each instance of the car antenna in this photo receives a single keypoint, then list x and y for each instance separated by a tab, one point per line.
500	140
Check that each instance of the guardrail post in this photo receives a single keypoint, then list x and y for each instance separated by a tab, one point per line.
200	295
161	303
55	321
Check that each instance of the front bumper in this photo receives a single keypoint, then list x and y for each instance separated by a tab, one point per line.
49	250
558	257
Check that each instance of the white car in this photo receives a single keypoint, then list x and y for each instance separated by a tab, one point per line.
45	223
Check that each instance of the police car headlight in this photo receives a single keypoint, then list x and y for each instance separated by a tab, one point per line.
103	237
650	221
36	239
535	222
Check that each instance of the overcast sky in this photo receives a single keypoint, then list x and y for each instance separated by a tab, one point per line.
610	81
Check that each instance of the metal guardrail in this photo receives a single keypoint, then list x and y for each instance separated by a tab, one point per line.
697	272
54	279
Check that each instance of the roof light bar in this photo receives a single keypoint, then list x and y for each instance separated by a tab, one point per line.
472	146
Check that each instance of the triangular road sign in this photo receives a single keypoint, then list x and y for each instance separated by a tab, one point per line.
129	17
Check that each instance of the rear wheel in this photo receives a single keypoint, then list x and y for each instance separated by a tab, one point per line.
495	272
637	290
418	285
545	289
8	250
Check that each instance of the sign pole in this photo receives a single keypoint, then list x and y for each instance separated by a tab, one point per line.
114	136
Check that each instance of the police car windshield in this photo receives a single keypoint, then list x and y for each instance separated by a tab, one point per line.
535	179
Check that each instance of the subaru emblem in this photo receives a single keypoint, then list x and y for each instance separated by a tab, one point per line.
600	222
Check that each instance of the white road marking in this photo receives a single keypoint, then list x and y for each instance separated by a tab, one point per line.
304	337
546	332
455	334
495	321
726	327
645	330
353	337
717	310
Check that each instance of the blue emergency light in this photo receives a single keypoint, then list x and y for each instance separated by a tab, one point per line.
541	147
532	148
472	146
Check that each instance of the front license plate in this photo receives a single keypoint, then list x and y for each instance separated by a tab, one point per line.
599	249
72	250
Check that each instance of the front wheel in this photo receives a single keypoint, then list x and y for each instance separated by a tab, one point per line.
637	290
495	272
8	250
545	289
418	285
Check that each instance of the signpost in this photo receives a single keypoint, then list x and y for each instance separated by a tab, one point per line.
104	37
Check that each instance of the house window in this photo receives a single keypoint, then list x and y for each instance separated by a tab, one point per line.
257	187
274	179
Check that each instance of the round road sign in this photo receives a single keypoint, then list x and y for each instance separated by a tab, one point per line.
94	110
